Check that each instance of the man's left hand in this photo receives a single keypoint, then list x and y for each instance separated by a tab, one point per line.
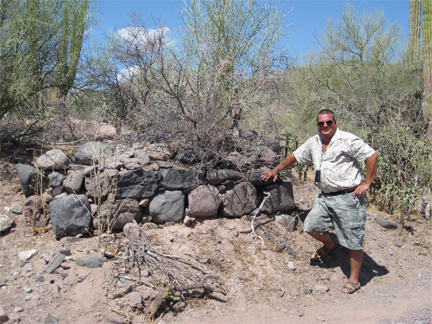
360	189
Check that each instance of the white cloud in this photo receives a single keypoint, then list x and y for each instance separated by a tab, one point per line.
126	74
141	35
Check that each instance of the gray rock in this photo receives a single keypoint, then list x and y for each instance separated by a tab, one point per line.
93	152
188	220
217	176
134	233
117	214
240	200
51	320
16	209
73	182
398	243
269	142
27	289
281	199
255	179
204	201
56	191
55	262
167	206
267	156
70	215
97	186
135	299
321	288
31	180
24	256
3	316
90	261
56	179
291	265
53	159
136	184
158	152
385	223
5	222
286	221
141	155
177	179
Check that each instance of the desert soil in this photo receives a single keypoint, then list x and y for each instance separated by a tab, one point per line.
260	286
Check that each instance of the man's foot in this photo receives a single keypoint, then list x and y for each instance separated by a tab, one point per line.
350	287
322	252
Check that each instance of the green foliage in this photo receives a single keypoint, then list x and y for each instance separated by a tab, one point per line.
239	39
373	93
34	37
404	168
414	31
427	54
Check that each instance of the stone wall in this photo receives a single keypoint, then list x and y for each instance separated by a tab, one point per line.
100	188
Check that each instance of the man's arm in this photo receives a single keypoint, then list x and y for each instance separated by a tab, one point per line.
286	163
371	167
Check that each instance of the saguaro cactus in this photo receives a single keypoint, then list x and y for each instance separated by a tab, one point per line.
427	54
414	30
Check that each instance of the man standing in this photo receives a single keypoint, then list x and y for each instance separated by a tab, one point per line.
340	206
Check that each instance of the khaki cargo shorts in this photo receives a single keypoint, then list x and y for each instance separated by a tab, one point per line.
342	213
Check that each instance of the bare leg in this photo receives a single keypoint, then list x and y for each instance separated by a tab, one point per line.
356	257
325	239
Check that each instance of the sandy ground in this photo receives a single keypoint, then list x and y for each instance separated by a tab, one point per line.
260	286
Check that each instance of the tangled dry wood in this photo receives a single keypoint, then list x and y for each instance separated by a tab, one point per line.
173	276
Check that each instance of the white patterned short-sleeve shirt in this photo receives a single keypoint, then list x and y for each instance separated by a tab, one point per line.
339	163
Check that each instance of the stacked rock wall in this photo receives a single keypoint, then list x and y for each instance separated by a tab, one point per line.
100	189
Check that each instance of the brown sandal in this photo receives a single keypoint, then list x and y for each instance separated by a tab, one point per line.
322	252
350	287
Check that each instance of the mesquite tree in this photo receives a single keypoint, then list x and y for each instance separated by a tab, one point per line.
238	38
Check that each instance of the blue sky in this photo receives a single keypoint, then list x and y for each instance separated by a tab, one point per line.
306	18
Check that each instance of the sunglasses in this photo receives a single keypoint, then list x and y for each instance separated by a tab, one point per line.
328	122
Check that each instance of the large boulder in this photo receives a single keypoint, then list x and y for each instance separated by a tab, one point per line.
240	200
218	176
93	152
73	182
158	152
134	233
70	215
167	206
204	201
281	198
31	181
136	184
97	186
115	215
56	179
5	222
142	156
269	142
177	179
255	179
53	159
